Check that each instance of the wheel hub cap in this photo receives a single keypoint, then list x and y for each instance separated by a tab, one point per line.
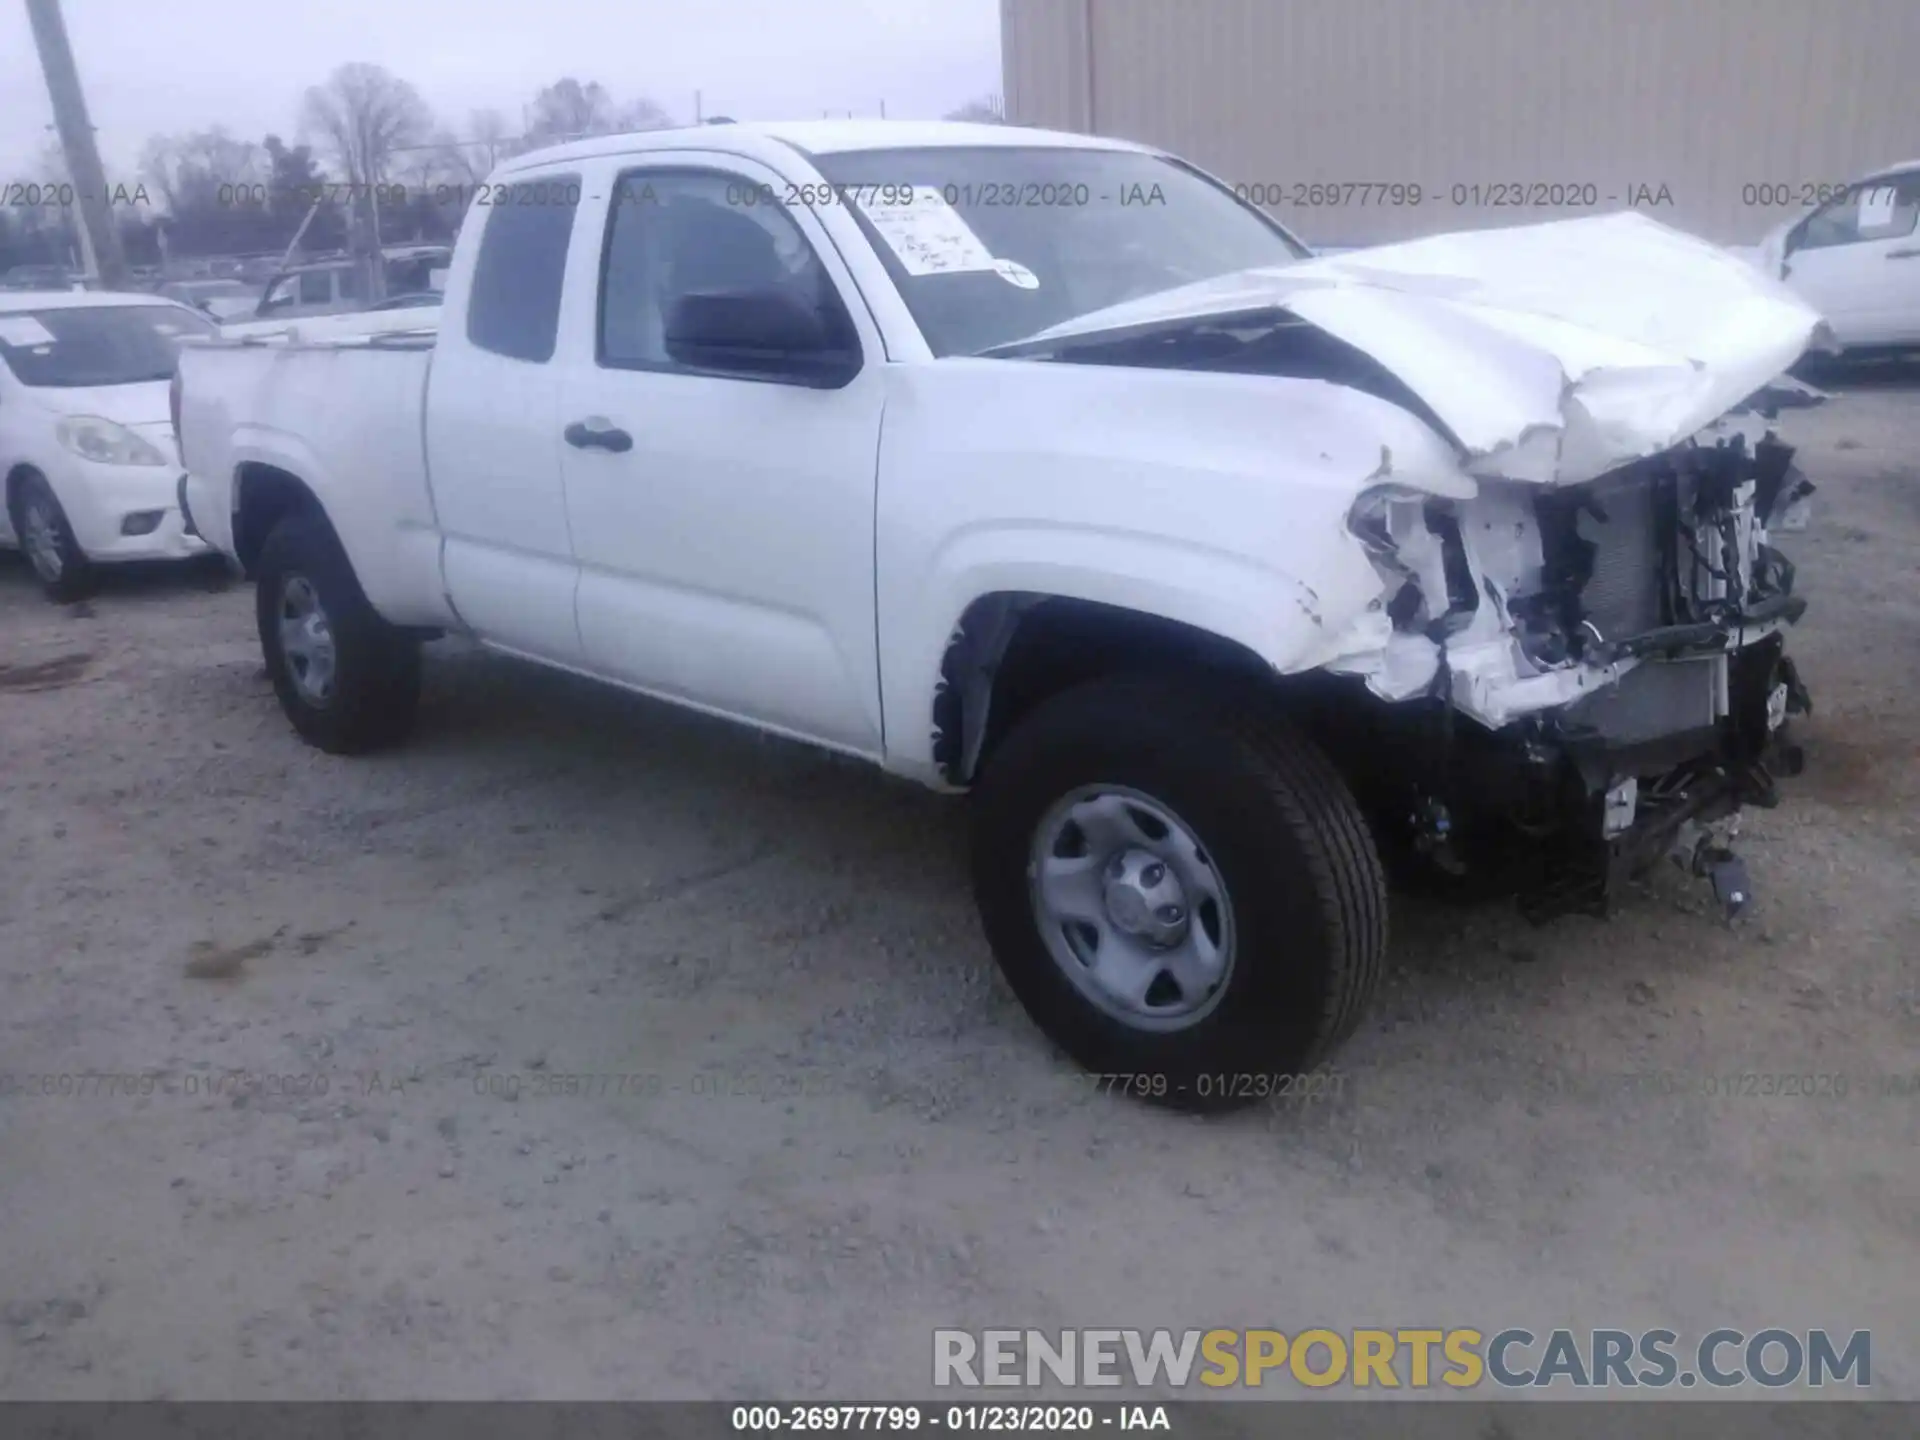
306	640
42	544
1145	898
1131	907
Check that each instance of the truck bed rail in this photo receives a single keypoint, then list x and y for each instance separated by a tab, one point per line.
292	339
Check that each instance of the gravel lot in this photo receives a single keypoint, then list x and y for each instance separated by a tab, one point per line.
836	1129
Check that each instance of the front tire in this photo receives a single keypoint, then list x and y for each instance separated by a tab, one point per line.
46	538
348	680
1180	890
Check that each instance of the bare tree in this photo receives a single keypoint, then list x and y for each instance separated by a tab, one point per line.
568	108
986	110
643	114
469	159
362	116
490	138
159	164
365	116
182	167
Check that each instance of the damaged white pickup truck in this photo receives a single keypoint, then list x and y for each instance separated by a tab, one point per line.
1040	466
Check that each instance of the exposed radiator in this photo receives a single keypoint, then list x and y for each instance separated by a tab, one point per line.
1656	699
1623	597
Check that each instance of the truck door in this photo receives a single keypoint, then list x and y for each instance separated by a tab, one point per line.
723	516
493	425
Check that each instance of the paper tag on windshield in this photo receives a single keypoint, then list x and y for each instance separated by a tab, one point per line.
23	330
925	232
1876	208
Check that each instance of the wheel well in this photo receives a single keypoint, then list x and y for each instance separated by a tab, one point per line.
1013	650
14	477
267	496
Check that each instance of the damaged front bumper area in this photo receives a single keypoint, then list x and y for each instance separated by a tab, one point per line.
1591	677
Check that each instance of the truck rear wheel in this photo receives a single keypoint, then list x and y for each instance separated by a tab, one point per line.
1181	891
348	680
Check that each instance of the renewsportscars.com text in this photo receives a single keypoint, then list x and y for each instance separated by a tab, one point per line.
1415	1359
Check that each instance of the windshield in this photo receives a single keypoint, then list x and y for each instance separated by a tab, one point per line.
96	344
992	244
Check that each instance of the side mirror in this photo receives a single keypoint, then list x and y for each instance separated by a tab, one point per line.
770	333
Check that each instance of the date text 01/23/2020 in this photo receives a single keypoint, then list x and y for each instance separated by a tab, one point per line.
1477	194
1226	1085
982	1416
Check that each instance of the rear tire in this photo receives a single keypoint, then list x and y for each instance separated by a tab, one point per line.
47	541
1274	870
348	680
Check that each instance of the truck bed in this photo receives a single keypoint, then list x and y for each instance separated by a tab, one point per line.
351	407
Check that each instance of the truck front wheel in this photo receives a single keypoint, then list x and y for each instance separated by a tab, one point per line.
1180	890
348	680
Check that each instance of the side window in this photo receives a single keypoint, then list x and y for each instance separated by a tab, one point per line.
1888	212
689	232
1877	210
513	308
350	286
316	287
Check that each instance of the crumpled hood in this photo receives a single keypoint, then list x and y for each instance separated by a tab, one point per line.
1553	353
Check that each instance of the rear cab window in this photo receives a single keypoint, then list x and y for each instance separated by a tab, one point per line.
513	305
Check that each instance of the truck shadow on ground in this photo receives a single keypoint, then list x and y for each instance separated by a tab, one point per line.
1452	965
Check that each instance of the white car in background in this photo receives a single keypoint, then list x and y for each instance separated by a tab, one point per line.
87	451
1856	259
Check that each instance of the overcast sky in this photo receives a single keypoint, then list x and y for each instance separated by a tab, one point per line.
168	66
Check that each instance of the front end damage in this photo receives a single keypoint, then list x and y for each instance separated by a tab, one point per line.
1593	677
1580	615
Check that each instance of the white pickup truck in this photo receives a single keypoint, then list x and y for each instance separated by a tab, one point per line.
1040	466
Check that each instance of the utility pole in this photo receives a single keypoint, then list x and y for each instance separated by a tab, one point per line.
697	117
76	140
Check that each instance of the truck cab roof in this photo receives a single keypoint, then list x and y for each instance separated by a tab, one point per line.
818	137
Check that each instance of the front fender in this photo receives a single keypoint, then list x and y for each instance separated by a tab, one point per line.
1283	620
1216	501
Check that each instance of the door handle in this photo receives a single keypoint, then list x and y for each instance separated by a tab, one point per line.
1902	254
582	436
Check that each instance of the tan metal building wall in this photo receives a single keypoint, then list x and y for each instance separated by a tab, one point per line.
1738	108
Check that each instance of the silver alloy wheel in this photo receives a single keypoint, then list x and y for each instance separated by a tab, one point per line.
40	537
1131	907
306	640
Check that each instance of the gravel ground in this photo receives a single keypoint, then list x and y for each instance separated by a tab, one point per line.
823	1125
